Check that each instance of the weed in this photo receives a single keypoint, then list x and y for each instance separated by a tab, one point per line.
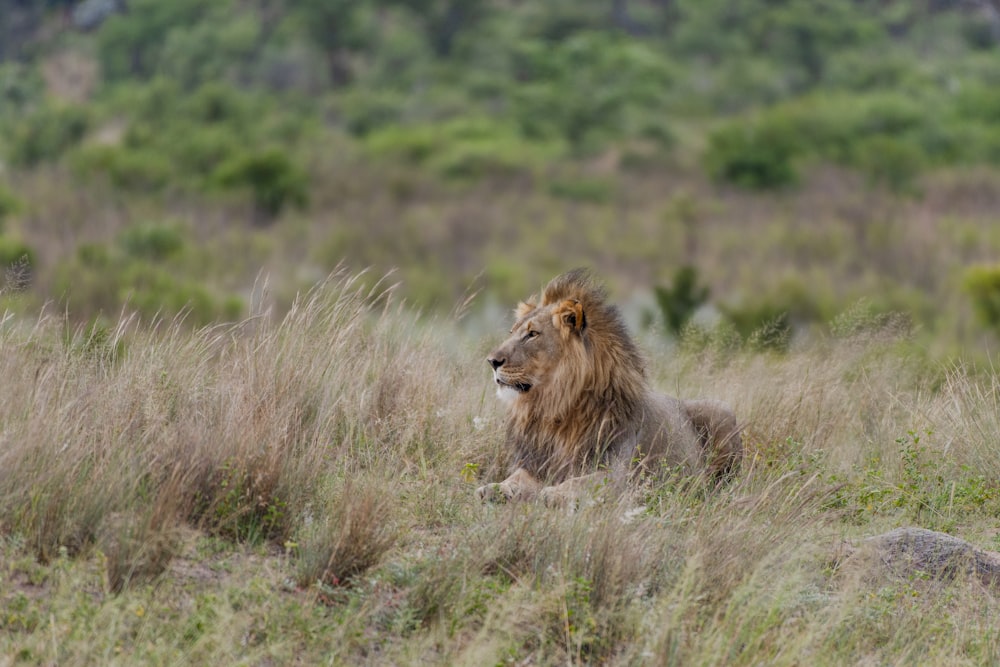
351	536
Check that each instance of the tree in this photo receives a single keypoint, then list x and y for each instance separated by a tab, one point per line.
337	27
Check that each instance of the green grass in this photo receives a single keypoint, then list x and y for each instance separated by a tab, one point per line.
302	489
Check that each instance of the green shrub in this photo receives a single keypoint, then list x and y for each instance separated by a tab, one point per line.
768	320
363	111
890	138
463	148
144	272
199	149
587	89
350	537
9	205
982	284
271	177
46	133
17	261
411	144
131	44
20	86
218	104
151	241
891	162
211	49
590	190
129	169
757	156
679	302
978	103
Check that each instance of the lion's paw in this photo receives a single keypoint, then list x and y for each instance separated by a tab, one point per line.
495	493
555	497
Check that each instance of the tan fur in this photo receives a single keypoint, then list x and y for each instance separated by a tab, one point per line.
580	402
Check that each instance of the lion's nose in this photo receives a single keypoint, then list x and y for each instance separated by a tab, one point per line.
495	362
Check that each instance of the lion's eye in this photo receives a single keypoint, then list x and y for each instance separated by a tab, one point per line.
531	334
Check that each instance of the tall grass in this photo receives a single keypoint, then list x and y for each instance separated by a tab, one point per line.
241	427
302	489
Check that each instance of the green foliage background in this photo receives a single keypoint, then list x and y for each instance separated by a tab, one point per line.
460	138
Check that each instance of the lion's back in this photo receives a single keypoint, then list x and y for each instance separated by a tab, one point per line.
693	434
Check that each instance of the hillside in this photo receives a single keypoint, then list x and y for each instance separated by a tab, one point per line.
161	156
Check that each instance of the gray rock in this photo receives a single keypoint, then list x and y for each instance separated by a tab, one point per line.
907	551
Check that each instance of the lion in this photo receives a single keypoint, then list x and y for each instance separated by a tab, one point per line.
581	412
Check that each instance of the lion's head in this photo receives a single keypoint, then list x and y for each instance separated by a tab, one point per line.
569	371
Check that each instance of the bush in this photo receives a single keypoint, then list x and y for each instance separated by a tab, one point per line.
142	273
218	104
891	162
588	89
411	144
46	134
758	156
272	178
131	44
9	205
349	538
17	260
464	148
365	111
589	190
889	138
126	168
768	321
679	302
982	284
151	241
20	86
978	103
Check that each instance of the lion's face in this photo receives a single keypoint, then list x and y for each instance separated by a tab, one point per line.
540	340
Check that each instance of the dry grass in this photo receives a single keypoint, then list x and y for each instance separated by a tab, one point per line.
303	490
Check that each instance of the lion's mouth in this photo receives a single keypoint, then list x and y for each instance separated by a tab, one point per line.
520	387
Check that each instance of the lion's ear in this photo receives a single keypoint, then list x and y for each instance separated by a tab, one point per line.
569	315
523	309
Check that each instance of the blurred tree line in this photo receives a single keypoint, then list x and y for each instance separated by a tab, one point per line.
237	100
469	86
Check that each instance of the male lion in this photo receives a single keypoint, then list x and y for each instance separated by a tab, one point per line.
579	403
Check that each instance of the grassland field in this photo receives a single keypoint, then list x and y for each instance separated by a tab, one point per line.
299	490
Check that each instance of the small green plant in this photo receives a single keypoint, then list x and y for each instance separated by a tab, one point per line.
587	190
246	507
47	133
9	206
144	272
350	536
125	167
982	284
470	472
579	623
756	156
273	179
152	241
17	262
679	302
918	481
96	340
925	489
890	162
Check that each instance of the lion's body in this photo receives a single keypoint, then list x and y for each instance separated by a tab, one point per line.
579	401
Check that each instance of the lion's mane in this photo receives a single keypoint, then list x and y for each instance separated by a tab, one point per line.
596	395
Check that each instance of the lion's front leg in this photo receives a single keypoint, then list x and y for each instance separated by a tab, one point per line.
521	485
568	494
